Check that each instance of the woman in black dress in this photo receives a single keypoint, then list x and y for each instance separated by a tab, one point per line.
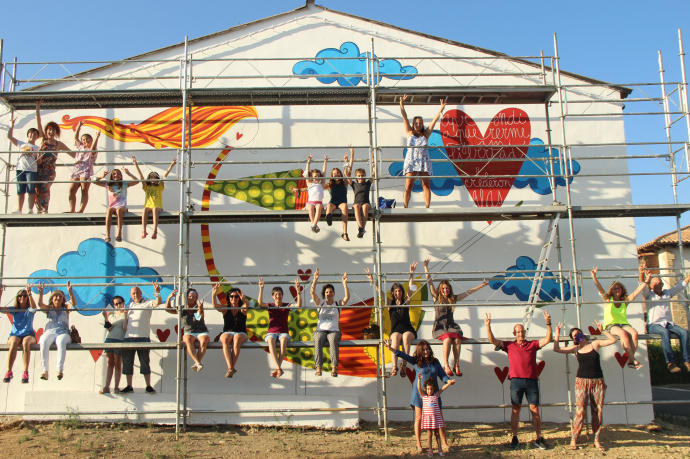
402	330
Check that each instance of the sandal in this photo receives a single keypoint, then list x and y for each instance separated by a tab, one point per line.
280	373
635	365
103	391
274	373
334	373
118	238
345	236
44	376
598	446
403	373
456	370
59	376
394	372
107	239
448	371
228	374
318	371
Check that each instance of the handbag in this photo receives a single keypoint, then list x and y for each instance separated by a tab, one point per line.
74	334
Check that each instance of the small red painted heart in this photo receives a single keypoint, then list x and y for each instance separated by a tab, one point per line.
410	374
39	333
593	331
501	373
293	291
304	275
540	367
11	317
238	135
96	354
176	331
622	359
162	334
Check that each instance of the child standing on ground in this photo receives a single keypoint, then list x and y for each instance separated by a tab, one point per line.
84	160
432	418
153	189
117	198
361	188
314	190
26	166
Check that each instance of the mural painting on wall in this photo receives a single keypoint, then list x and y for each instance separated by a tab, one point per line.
208	124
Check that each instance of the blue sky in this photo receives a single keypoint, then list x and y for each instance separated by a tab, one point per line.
611	40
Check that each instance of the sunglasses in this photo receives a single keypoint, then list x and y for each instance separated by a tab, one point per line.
117	303
234	296
22	295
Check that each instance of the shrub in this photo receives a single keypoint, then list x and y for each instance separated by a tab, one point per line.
657	364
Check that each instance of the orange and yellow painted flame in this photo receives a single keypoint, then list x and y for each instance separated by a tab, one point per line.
163	130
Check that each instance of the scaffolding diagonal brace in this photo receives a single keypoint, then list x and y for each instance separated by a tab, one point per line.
539	273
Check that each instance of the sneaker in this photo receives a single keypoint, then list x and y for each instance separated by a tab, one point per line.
673	368
127	390
514	443
25	377
316	228
313	229
329	219
360	233
150	390
8	377
540	443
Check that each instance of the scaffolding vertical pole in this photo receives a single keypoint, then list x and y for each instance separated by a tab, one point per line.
671	154
684	96
180	242
566	176
2	67
372	167
559	254
7	176
377	229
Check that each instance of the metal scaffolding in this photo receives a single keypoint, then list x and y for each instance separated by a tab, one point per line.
547	91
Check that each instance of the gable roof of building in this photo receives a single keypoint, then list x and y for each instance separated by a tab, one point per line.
669	239
309	4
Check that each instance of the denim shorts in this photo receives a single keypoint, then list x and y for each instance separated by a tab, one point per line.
276	336
197	335
524	386
113	351
232	333
26	182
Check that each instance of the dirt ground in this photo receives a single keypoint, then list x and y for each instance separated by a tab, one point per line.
73	438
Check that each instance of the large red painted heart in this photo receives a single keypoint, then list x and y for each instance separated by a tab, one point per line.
96	354
622	359
177	331
163	334
540	367
410	374
293	291
304	275
39	333
466	144
593	331
501	373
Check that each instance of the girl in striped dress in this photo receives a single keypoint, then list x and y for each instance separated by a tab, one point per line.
432	418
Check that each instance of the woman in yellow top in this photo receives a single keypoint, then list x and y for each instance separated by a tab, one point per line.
153	203
616	314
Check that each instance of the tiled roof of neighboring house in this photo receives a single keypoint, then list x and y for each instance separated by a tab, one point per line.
666	240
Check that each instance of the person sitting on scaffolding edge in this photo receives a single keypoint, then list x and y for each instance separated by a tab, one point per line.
659	320
523	374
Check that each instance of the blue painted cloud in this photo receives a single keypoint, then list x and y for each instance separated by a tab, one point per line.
439	186
541	185
520	283
331	64
101	263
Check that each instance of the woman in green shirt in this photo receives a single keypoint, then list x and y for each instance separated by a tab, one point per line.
616	314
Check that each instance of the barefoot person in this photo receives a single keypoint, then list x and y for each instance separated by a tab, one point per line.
657	314
616	313
589	383
417	162
523	374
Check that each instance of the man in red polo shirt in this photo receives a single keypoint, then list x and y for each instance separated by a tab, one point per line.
523	374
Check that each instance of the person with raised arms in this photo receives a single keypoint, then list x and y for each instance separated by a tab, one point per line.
523	374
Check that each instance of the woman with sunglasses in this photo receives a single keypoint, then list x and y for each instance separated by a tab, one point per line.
22	333
589	383
116	324
234	324
424	363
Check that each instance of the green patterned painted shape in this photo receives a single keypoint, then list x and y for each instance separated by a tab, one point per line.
269	194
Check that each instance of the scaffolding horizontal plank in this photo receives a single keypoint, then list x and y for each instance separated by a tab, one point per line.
396	215
358	95
293	344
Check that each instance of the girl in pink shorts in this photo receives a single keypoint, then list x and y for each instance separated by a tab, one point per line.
117	198
315	187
